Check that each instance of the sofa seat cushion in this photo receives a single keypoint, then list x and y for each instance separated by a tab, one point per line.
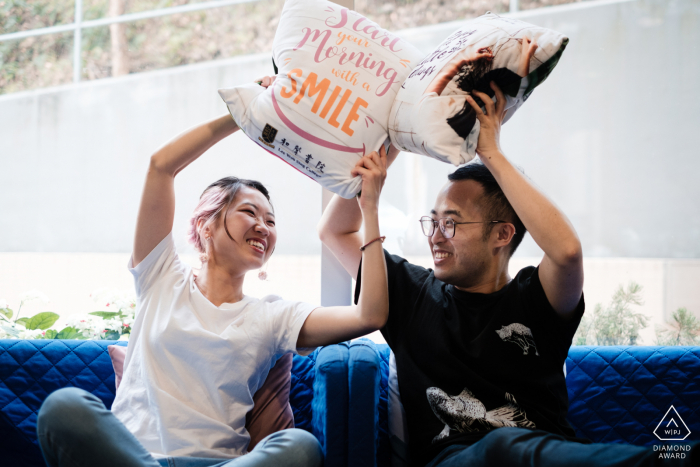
32	369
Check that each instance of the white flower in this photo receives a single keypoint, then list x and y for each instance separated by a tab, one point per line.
124	337
114	324
30	333
3	303
115	300
34	295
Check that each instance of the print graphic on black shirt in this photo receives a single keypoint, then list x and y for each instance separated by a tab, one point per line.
467	414
502	345
518	334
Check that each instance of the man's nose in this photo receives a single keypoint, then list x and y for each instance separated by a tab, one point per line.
437	236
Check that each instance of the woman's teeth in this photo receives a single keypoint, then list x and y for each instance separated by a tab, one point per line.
256	244
441	255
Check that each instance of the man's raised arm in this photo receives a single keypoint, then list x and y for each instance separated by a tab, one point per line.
339	228
561	269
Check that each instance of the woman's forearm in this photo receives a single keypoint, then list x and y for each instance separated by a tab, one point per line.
186	147
373	303
157	209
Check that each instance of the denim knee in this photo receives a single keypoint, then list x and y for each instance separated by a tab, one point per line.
66	410
305	446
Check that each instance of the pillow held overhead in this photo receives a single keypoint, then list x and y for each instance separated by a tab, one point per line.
431	115
338	75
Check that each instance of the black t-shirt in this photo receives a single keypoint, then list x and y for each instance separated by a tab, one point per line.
468	363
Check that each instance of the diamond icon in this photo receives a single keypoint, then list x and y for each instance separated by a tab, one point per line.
672	427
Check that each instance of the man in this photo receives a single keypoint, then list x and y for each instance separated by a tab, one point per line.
479	354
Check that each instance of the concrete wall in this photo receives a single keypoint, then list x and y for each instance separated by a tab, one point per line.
74	159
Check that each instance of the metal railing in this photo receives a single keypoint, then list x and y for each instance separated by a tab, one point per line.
78	24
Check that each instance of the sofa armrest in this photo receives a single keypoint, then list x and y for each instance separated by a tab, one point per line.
330	403
363	415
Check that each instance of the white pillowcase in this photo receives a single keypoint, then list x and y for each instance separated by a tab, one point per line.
338	75
431	115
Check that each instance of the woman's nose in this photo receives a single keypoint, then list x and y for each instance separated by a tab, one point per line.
261	227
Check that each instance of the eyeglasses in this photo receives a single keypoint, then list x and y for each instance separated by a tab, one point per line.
447	225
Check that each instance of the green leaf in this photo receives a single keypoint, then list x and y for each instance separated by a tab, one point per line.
105	314
22	321
112	336
6	312
50	334
42	320
69	333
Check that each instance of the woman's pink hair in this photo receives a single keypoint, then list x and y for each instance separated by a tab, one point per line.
215	200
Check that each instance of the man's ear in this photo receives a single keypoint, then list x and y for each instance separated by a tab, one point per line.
504	233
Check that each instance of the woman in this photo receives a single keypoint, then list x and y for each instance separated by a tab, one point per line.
200	348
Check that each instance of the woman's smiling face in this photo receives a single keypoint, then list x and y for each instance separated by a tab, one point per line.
250	221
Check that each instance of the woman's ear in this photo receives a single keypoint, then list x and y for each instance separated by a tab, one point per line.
204	232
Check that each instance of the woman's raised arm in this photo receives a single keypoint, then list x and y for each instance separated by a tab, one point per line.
157	209
329	325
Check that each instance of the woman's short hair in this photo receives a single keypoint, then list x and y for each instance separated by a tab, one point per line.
214	201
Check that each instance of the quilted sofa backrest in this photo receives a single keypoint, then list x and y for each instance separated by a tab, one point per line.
31	369
619	394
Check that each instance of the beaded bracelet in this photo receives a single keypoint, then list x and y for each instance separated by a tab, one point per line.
362	248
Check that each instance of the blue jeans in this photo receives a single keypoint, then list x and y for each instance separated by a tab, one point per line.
75	429
520	447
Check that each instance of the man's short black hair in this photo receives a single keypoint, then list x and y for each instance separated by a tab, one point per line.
494	205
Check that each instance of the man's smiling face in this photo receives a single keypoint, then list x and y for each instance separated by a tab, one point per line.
463	259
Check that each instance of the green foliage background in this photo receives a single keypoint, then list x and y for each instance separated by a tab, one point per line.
184	38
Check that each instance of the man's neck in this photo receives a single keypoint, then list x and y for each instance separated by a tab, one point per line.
493	279
219	285
488	284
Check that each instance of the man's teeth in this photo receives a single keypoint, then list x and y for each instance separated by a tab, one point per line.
441	255
256	244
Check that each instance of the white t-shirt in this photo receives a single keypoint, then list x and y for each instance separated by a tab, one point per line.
192	368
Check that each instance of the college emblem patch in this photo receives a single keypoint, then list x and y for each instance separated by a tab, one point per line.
268	134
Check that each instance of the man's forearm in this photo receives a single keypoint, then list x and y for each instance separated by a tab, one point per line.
339	230
342	216
548	225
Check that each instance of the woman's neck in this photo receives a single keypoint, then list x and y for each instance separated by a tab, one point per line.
219	285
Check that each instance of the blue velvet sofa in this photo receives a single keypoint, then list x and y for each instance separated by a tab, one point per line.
339	393
616	394
324	385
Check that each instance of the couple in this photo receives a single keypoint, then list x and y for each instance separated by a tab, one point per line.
479	355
